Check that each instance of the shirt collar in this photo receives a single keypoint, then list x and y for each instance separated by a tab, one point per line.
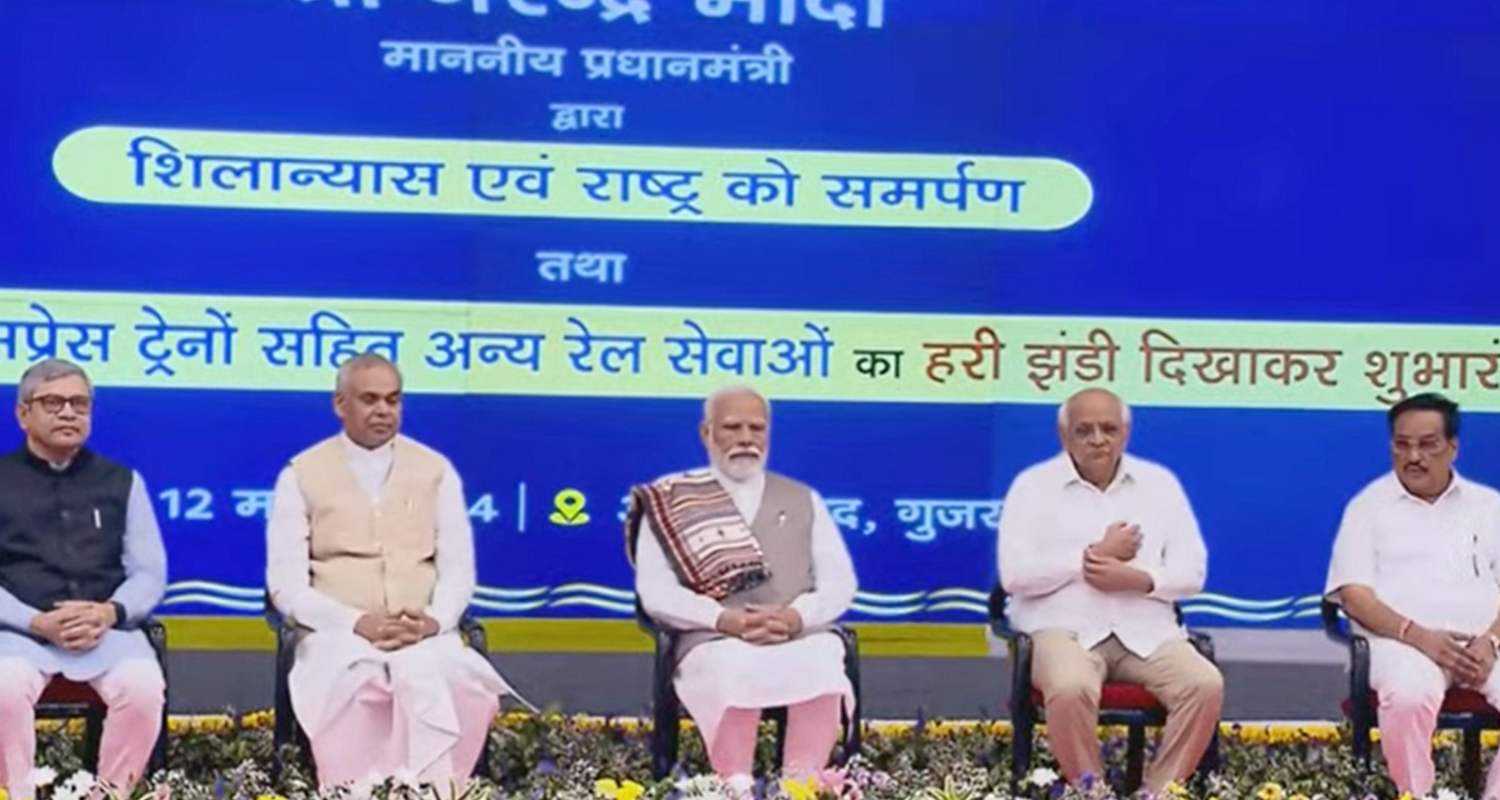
71	465
1124	474
1399	491
356	451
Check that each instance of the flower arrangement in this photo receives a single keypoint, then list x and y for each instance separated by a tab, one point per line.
556	757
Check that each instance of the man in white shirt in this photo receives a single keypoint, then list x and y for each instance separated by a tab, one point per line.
1415	565
1095	546
369	549
750	567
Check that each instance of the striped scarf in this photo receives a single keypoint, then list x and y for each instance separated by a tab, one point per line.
707	542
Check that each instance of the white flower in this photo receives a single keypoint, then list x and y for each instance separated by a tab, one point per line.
43	776
1042	777
76	787
1446	794
703	787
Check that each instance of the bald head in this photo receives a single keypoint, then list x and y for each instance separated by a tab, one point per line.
1092	395
1094	426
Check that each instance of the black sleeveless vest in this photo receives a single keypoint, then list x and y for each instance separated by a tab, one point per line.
62	533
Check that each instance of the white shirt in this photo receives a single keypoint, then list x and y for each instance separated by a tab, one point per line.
666	599
1435	563
289	580
1051	515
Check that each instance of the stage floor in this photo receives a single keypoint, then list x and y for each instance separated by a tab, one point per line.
1270	676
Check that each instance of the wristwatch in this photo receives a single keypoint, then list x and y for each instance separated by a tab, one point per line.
120	614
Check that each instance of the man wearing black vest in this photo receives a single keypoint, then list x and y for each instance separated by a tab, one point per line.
81	565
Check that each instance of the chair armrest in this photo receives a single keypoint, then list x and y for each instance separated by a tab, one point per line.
1335	623
1359	667
156	634
1204	644
472	632
999	621
644	620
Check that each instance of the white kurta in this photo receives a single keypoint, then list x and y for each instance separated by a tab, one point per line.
333	661
1052	515
1437	563
732	673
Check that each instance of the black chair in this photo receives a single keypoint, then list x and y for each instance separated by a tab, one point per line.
66	699
666	708
287	730
1120	703
1463	709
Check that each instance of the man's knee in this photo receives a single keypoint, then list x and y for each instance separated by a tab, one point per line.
137	682
20	685
1203	686
1072	690
1405	697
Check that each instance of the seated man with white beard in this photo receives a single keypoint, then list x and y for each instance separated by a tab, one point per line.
750	567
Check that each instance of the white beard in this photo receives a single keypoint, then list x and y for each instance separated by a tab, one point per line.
740	469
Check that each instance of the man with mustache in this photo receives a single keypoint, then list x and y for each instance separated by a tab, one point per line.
370	551
750	566
1415	565
81	565
1095	546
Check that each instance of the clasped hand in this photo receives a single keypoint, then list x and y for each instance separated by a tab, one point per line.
395	631
1469	660
761	624
75	624
1104	562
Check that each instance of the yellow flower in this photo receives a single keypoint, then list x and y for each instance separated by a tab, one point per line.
4	795
270	797
1270	791
1298	796
613	790
801	790
1175	789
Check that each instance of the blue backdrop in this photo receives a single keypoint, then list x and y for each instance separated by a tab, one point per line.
1282	161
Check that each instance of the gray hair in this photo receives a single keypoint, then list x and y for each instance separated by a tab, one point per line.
728	391
45	371
361	362
1062	410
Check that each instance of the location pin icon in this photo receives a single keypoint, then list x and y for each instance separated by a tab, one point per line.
568	508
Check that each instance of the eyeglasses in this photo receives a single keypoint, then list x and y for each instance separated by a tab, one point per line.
53	403
1431	446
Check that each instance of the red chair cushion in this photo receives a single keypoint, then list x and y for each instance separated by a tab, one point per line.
62	690
1456	701
1119	697
1465	701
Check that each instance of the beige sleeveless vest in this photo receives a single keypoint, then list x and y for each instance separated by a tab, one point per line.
374	556
783	526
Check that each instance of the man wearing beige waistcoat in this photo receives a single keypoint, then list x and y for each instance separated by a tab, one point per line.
750	567
369	549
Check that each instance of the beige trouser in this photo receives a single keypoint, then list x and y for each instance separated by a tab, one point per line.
1070	679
